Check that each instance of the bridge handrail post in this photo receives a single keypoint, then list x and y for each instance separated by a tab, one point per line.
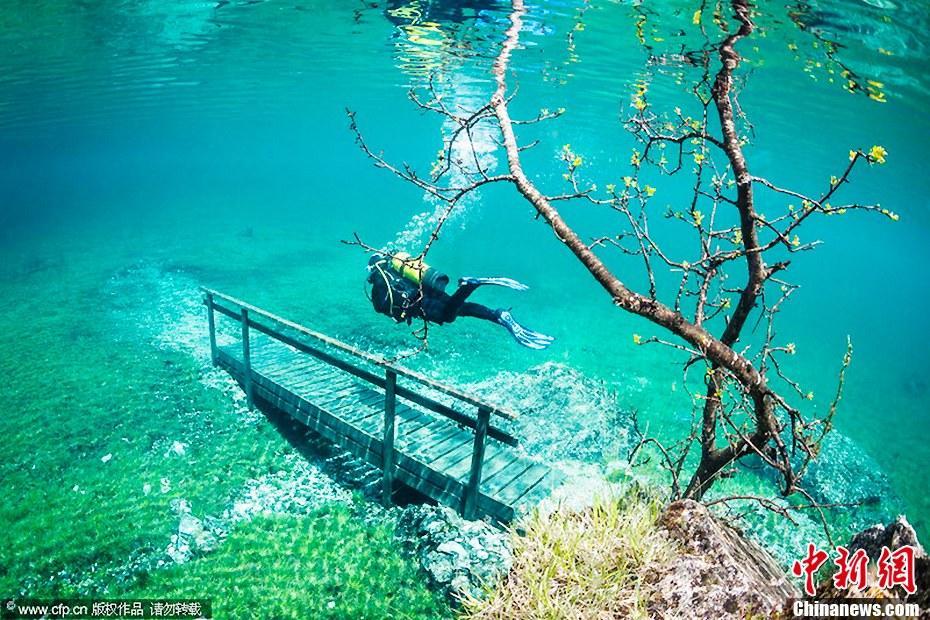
390	434
470	503
211	323
247	359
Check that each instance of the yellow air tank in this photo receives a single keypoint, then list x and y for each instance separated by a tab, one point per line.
418	272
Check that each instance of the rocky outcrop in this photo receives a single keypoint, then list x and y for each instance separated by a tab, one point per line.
718	572
895	535
460	557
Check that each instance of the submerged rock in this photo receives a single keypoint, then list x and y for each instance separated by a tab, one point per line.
177	448
193	537
718	573
460	557
300	489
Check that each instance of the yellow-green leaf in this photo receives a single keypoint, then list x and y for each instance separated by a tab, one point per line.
878	153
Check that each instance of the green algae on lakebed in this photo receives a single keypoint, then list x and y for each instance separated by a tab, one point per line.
327	566
108	428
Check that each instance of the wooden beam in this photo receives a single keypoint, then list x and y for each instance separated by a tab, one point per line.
390	434
211	323
247	359
470	501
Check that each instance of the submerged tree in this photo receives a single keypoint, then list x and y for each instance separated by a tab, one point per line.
742	252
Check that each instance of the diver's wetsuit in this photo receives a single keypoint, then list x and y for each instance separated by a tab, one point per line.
403	300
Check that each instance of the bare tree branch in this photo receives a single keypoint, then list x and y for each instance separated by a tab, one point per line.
728	288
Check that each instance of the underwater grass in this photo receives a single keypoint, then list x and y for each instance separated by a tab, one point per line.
69	514
90	409
587	564
327	565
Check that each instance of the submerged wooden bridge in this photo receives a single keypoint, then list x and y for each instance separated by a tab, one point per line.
387	415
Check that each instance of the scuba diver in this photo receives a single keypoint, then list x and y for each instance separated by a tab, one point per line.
405	288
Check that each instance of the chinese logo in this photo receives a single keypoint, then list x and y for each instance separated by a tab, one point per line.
894	568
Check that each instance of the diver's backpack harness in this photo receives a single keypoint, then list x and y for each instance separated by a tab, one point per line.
389	287
402	275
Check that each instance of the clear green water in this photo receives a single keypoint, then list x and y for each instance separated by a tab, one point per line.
151	147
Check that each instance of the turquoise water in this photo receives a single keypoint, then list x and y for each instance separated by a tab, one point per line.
151	147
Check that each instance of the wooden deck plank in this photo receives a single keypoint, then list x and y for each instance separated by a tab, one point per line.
412	419
462	451
332	392
423	427
429	435
367	418
440	446
270	355
292	381
264	346
309	382
298	382
367	401
285	370
374	421
522	484
461	470
496	462
268	358
371	419
542	490
445	444
335	406
410	472
312	368
503	477
325	389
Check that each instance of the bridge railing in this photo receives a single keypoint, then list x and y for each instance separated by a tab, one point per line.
353	360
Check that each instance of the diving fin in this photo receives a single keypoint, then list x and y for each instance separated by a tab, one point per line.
505	282
526	337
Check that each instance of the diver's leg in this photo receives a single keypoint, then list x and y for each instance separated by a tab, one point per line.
526	337
478	311
467	286
438	307
456	301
